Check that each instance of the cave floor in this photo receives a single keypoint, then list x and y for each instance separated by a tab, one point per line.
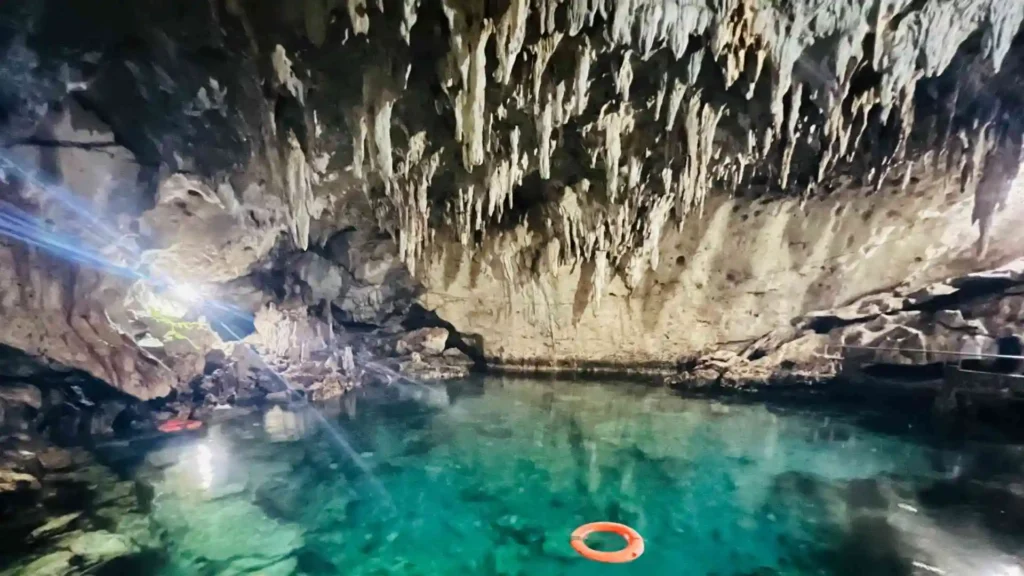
490	476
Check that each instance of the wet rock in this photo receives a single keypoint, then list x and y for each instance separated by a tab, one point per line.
279	498
425	341
211	530
243	566
556	545
56	564
432	369
15	483
55	527
55	459
122	493
96	547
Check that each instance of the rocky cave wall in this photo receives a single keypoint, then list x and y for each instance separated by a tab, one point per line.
564	181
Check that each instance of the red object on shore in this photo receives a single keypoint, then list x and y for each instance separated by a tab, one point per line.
179	425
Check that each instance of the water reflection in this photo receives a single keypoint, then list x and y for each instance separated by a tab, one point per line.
282	425
490	478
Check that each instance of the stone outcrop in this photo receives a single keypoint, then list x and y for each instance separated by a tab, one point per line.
562	183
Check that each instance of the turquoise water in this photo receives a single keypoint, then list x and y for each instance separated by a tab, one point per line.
491	477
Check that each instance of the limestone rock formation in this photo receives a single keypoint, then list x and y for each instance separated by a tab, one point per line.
561	182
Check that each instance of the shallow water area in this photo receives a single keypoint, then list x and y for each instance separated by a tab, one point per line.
491	477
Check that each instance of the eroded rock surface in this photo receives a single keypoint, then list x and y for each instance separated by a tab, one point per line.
563	183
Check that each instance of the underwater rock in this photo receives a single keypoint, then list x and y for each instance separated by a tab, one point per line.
100	546
210	529
16	483
54	527
55	459
55	564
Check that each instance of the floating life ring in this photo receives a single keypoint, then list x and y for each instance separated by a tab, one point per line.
634	543
175	425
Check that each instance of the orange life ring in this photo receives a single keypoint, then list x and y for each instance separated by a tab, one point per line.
634	543
175	425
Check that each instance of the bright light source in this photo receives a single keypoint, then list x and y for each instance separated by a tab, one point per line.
186	293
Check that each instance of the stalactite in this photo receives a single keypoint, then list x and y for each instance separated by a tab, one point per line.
360	127
300	192
542	53
796	95
622	22
659	99
650	178
357	14
675	100
650	26
581	82
1006	19
545	124
469	56
624	77
701	123
510	34
382	137
614	125
409	15
286	75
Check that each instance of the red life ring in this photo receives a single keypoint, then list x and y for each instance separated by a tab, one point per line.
175	425
634	543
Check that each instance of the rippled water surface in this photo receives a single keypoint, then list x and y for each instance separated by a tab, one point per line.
490	478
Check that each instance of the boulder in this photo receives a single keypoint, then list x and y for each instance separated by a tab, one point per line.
425	341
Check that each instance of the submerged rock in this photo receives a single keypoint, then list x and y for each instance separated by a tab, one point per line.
55	459
54	527
12	482
226	530
100	546
55	564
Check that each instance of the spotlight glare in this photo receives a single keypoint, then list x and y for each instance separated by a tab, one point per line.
186	293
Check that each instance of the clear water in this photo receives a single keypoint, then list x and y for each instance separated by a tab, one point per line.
491	478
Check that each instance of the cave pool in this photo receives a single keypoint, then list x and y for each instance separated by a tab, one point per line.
490	476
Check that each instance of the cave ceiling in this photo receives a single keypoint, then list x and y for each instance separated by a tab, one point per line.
538	132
